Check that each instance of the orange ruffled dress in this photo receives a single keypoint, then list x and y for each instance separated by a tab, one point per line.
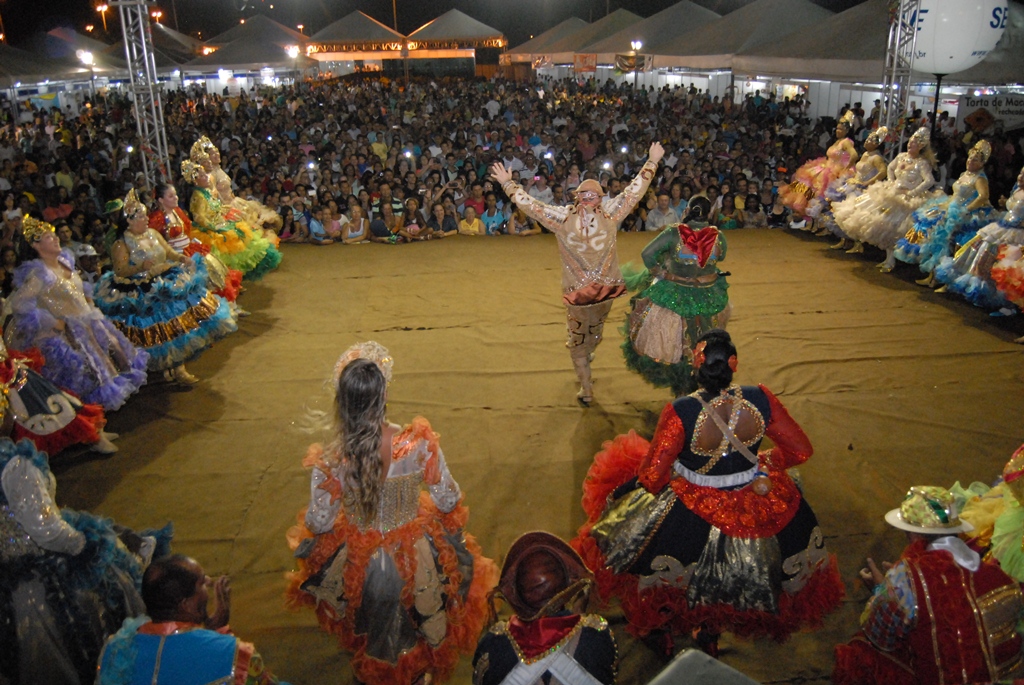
407	592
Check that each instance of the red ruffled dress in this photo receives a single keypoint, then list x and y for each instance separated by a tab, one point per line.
178	233
52	418
678	534
407	592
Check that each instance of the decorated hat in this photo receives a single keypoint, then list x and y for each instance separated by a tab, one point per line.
847	119
879	134
1013	474
33	229
542	575
132	204
982	148
922	136
590	185
370	350
930	510
190	170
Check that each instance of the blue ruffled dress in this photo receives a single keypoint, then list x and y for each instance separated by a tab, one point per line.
89	356
66	579
943	225
173	316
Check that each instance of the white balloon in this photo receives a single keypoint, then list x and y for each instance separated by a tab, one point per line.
954	35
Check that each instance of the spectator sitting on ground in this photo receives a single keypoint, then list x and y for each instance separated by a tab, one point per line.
471	224
662	215
180	643
318	235
441	223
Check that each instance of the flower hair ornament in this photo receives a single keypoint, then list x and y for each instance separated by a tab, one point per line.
33	229
371	350
698	357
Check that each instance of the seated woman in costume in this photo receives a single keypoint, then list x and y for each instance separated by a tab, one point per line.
806	194
682	295
662	516
990	258
870	169
224	231
877	217
84	351
256	213
948	222
171	221
159	298
67	578
388	569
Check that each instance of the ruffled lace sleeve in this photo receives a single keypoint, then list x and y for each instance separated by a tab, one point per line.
549	216
669	440
30	320
792	445
324	492
425	452
445	492
624	203
29	499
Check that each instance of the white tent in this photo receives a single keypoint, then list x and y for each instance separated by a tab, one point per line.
456	30
356	36
713	46
259	43
537	47
670	24
564	50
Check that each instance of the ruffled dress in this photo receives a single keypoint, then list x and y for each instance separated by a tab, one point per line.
173	315
90	357
845	189
944	224
256	214
406	593
1008	271
66	580
230	238
176	228
687	298
804	194
679	536
51	418
972	271
877	216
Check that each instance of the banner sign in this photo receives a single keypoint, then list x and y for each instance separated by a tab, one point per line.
585	63
983	113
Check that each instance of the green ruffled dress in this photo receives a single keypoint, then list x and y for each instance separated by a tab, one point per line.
682	295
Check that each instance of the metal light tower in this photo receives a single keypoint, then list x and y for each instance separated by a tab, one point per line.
145	90
899	63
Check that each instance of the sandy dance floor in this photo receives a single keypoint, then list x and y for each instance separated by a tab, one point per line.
895	386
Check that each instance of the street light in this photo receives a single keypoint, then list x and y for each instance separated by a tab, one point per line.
90	61
156	14
89	28
102	9
300	27
636	45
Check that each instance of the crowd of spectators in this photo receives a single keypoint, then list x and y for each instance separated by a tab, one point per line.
364	158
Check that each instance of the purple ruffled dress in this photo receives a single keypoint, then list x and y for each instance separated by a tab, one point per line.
90	356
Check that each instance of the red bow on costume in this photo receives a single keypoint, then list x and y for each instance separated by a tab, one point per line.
701	242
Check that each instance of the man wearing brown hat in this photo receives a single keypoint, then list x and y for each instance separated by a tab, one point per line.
586	232
939	615
547	640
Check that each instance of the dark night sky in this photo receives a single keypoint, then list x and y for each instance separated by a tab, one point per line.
518	19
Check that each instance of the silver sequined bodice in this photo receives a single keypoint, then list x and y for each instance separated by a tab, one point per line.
143	247
1014	211
15	542
65	297
910	172
865	169
965	188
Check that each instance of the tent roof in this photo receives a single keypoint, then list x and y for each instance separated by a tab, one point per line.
849	46
723	7
455	26
250	55
759	22
62	45
563	50
260	28
356	28
539	44
669	23
21	65
173	41
1004	64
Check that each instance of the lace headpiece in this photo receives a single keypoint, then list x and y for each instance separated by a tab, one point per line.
132	204
982	148
33	229
190	170
371	350
847	119
879	134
